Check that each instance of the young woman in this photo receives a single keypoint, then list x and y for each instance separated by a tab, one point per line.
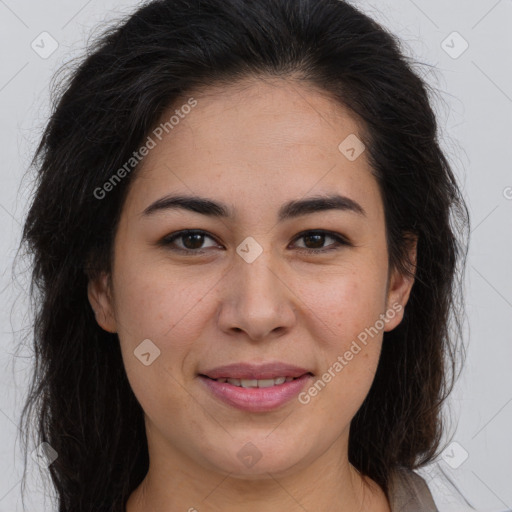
246	254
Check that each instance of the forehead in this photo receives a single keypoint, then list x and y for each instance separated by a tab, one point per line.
276	118
255	140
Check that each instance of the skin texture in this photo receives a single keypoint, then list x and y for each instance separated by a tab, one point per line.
253	146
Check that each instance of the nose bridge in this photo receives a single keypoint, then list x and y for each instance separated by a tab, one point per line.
258	301
256	277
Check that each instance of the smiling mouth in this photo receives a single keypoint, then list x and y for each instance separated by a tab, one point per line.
256	383
238	387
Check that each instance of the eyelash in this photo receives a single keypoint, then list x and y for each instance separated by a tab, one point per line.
340	241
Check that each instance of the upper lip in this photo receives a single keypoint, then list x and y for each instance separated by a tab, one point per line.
255	371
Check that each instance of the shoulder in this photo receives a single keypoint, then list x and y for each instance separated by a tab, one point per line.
408	492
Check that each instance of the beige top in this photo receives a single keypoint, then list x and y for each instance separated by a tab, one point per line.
408	492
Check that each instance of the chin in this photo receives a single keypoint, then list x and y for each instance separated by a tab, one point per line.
254	461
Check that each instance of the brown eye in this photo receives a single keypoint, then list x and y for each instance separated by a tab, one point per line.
191	241
314	241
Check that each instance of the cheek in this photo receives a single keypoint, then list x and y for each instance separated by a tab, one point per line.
153	303
345	314
345	304
162	304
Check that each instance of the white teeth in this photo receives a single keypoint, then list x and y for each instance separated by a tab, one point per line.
249	383
257	383
266	383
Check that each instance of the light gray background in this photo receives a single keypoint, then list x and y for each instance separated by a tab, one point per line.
475	114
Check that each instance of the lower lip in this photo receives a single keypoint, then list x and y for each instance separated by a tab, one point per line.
256	399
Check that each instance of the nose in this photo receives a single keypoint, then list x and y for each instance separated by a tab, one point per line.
257	300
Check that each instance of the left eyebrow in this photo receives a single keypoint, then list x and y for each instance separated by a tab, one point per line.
289	210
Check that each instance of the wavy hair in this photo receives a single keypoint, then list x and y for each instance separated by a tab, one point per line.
80	400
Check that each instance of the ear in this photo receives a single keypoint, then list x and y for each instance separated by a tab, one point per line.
399	287
100	298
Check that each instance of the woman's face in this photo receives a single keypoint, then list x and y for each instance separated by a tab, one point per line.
245	292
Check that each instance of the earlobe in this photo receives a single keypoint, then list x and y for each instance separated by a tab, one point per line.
400	286
98	292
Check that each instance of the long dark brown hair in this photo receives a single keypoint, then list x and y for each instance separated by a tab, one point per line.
80	401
